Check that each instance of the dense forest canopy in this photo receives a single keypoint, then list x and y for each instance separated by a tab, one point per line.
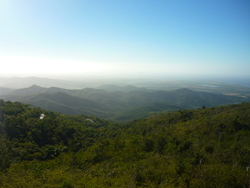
208	147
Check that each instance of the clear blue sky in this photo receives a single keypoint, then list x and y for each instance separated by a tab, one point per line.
125	38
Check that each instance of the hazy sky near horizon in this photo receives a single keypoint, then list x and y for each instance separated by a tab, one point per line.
125	38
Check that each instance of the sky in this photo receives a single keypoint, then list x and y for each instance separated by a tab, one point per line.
132	38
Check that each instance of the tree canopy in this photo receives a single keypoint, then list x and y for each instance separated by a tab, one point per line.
209	147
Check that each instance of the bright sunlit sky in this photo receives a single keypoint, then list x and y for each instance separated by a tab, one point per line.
125	38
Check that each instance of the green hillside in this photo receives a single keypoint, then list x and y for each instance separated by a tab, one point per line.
208	147
146	111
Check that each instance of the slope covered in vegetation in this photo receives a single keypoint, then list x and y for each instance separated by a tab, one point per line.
189	148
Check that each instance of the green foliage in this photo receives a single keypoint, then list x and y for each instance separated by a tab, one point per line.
209	147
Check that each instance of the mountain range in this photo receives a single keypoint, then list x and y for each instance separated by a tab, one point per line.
118	103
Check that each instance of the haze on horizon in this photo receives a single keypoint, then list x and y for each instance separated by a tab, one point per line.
206	38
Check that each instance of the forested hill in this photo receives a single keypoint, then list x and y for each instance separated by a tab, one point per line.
189	148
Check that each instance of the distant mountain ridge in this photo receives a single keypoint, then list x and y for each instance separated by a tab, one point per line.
127	88
18	82
119	102
5	91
